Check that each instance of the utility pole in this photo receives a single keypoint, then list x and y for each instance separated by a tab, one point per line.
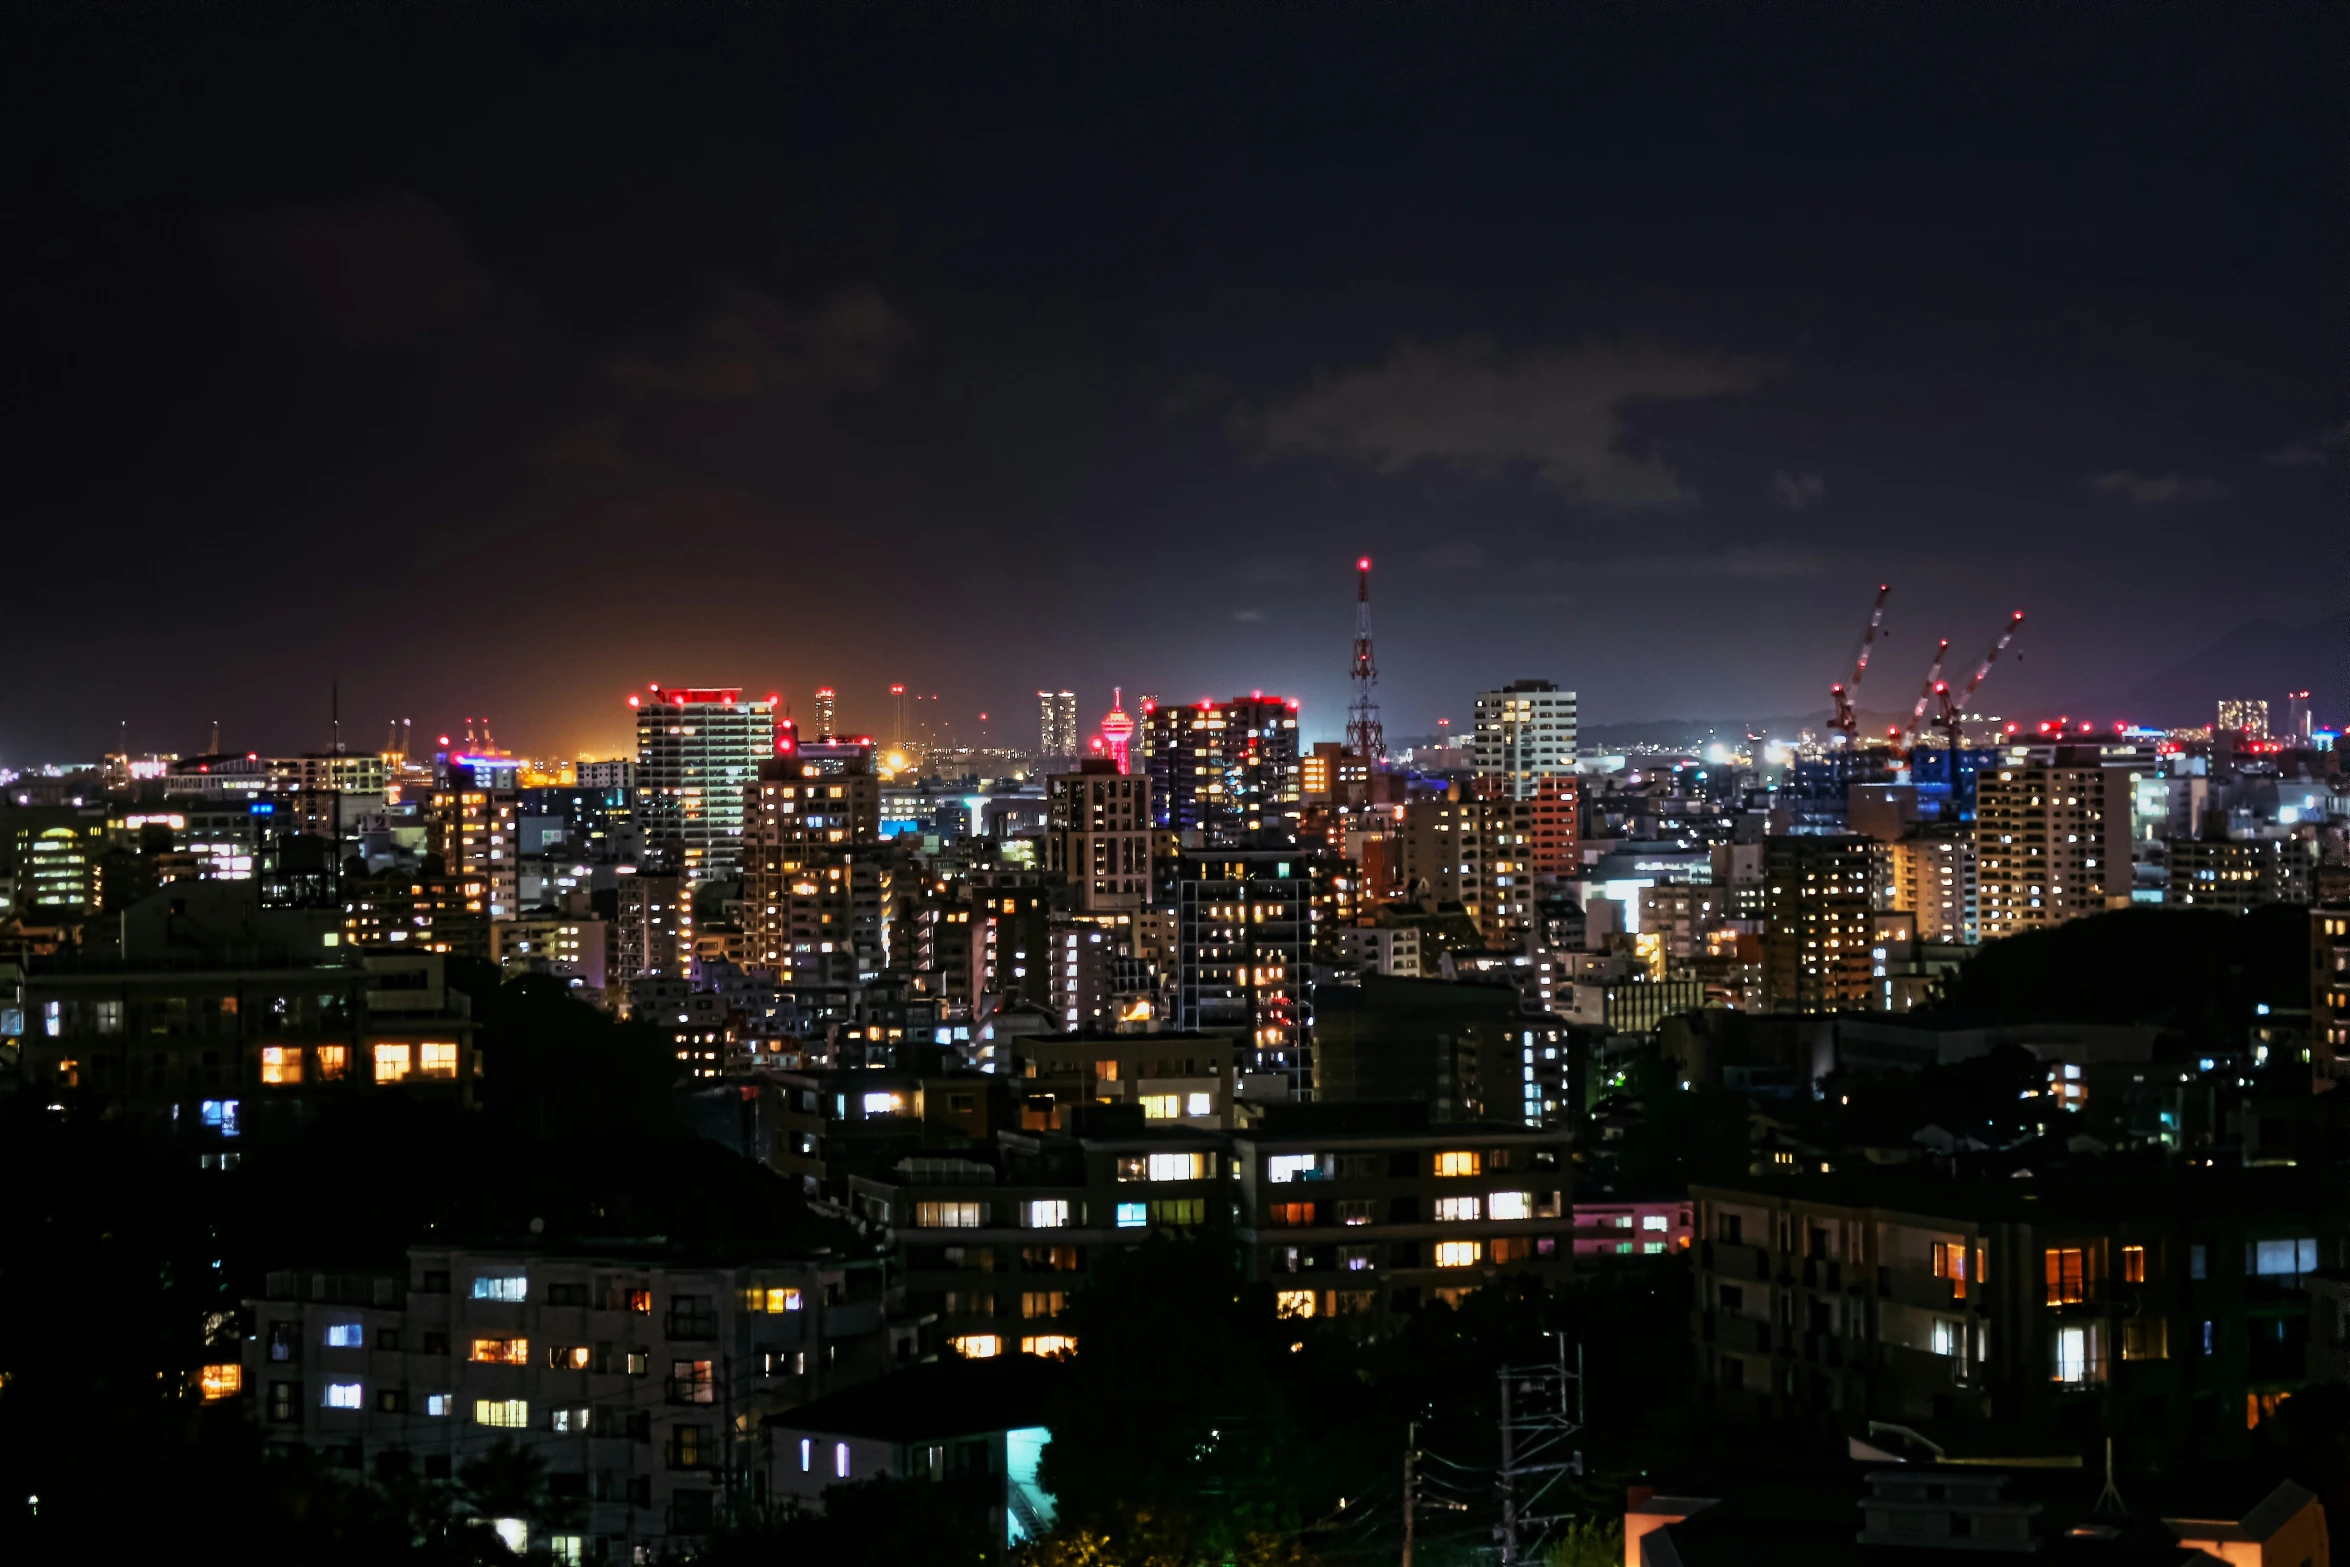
1411	1484
1546	1410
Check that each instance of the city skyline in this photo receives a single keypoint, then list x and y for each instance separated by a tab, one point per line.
965	321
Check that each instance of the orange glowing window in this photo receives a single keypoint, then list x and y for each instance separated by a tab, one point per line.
333	1061
221	1381
1460	1162
2133	1264
2066	1275
281	1063
392	1063
437	1059
1950	1263
501	1351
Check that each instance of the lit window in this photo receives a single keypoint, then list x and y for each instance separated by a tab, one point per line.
501	1287
1948	1337
2067	1282
1285	1167
391	1063
440	1405
1133	1215
1179	1166
1048	1213
781	1300
1455	1208
281	1063
978	1346
1460	1162
1648	1221
1950	1263
344	1395
346	1335
437	1059
333	1061
224	1380
501	1351
1294	1303
882	1103
1508	1205
1162	1107
567	1357
1199	1104
1049	1345
947	1215
508	1413
573	1420
1459	1254
2133	1265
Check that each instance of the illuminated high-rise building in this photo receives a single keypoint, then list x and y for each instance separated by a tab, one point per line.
2246	716
1228	771
1525	733
1100	840
1056	723
2052	841
698	750
827	707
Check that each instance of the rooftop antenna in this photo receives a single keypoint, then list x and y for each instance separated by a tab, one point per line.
1365	736
2109	1500
215	737
334	703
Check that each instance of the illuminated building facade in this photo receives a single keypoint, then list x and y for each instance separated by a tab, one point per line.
1821	893
1932	874
1525	732
2236	874
2329	993
1245	923
1228	771
1056	724
1099	839
2051	841
2245	716
473	825
698	754
654	934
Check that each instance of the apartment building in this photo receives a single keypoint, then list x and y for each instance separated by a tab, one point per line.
997	1240
2052	840
1821	894
1365	1211
1933	876
2116	1299
633	1376
1176	1078
216	1050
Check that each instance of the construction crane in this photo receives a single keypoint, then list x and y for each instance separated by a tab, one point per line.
1917	714
1948	719
1847	721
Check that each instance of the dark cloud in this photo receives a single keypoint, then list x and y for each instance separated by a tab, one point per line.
2314	452
749	344
2156	489
1797	491
1478	407
1756	561
372	272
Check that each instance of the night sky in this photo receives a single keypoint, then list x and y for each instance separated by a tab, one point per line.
503	365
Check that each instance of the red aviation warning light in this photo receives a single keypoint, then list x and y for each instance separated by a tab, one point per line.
634	700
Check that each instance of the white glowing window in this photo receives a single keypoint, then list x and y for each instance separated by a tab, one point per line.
1512	1205
1048	1213
345	1335
343	1395
1654	1221
881	1104
1285	1167
1199	1104
1455	1208
840	1460
509	1287
1179	1166
1162	1107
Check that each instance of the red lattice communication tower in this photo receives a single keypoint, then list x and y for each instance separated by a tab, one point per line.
1365	736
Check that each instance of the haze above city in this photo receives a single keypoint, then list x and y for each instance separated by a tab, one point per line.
503	366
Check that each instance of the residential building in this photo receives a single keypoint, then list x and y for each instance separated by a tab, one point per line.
638	1379
1467	1051
472	826
214	1049
2329	993
1226	771
1932	875
425	910
1654	1227
2051	841
653	929
1821	894
572	947
1525	732
698	754
1391	950
1056	723
997	1239
1366	1211
2137	1298
1177	1079
1099	840
1245	930
2236	874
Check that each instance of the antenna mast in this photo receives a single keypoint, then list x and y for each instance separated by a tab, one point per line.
1365	736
